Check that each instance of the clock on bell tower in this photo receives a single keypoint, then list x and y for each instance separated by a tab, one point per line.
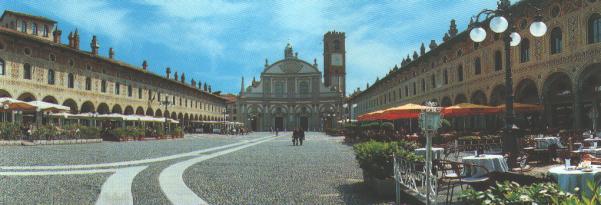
334	60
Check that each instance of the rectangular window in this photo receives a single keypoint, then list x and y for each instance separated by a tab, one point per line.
433	80
139	93
34	28
477	66
129	91
149	94
88	83
70	80
460	73
103	86
498	61
117	88
445	76
51	77
24	26
45	31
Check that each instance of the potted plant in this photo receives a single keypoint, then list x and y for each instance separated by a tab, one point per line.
376	160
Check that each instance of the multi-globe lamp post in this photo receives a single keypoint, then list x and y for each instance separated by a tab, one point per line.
501	22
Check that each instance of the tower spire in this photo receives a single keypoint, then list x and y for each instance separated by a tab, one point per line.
242	86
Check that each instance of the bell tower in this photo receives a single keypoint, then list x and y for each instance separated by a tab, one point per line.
334	61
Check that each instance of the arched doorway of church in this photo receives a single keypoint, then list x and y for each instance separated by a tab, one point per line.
558	99
526	92
590	87
304	122
254	123
279	123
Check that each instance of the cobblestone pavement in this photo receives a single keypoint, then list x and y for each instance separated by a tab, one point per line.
253	169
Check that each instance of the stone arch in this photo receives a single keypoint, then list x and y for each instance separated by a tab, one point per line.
158	113
446	101
173	115
149	112
117	109
558	100
4	93
103	108
129	110
186	117
72	105
589	88
166	114
50	99
87	107
460	98
140	111
27	97
479	98
526	92
180	116
497	96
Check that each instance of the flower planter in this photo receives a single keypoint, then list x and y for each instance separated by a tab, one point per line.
380	187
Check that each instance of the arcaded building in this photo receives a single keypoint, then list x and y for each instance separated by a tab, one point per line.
560	70
292	94
36	65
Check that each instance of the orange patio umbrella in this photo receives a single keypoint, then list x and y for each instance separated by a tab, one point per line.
468	109
375	115
523	107
406	111
13	104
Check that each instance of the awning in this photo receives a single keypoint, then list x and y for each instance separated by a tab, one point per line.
49	107
523	107
13	104
467	109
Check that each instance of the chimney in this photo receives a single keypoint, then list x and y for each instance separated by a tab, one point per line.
168	72
56	34
70	39
144	65
111	53
94	45
76	40
175	75
183	77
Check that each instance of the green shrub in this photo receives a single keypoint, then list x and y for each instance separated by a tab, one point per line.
10	131
513	193
45	132
86	132
376	158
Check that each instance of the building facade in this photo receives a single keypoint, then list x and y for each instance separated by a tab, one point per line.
560	70
35	65
291	94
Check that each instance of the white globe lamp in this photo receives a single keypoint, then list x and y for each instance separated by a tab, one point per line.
478	34
498	24
538	28
515	39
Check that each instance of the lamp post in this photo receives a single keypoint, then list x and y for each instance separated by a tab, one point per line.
166	103
501	22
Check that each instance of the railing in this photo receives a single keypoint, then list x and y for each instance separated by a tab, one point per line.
412	176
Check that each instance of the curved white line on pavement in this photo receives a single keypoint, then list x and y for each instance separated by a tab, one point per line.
128	163
172	181
116	189
45	173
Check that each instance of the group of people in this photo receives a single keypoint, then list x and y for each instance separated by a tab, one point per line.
298	136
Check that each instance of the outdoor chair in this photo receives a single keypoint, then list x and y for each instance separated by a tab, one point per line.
451	175
522	160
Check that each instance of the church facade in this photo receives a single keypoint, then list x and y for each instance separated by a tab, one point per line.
291	93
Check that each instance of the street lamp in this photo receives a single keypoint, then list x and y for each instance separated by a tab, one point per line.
166	103
501	22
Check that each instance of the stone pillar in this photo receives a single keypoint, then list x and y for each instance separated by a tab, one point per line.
577	108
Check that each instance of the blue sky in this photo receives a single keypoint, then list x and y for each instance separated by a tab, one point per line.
220	41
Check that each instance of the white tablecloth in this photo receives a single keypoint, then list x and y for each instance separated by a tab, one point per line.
594	151
570	179
494	163
545	142
437	152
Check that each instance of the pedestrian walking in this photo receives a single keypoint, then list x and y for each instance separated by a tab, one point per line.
276	131
295	136
301	136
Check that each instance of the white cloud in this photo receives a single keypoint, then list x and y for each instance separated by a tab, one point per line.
92	16
193	9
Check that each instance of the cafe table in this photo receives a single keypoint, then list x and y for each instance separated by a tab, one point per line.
568	180
494	163
545	142
437	152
